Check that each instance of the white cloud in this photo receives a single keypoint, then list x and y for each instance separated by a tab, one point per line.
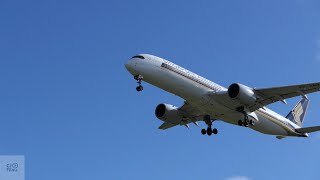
238	178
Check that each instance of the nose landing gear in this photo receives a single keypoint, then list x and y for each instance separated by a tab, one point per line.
209	131
139	79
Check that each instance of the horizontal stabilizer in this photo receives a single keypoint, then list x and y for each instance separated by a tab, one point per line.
166	126
308	129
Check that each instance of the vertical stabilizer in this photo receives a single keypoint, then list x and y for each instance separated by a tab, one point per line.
298	113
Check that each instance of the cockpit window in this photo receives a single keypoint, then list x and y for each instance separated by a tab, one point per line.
138	56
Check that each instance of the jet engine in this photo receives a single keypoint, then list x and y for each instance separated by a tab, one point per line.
242	93
168	113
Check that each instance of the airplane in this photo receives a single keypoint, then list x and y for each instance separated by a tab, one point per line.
207	101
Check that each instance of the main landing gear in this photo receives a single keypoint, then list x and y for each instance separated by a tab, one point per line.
209	131
246	122
139	79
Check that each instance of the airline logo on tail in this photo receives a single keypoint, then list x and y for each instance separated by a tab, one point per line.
298	113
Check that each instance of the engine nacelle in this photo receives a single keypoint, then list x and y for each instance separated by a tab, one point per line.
242	93
168	113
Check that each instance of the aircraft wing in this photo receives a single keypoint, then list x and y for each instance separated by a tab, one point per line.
191	114
190	110
166	126
266	96
270	95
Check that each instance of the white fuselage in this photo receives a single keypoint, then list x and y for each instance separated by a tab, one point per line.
193	88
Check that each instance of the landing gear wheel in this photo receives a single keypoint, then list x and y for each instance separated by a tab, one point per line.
246	123
209	133
252	123
139	79
215	131
209	122
203	131
139	88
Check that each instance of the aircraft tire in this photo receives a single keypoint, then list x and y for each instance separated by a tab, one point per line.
209	129
252	123
139	88
215	131
209	133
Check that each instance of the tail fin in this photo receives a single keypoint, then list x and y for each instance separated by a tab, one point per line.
298	113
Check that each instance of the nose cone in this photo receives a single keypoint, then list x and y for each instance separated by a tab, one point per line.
130	66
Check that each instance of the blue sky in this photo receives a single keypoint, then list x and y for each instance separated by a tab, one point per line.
68	104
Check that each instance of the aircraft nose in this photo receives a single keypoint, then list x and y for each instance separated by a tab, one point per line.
127	65
130	66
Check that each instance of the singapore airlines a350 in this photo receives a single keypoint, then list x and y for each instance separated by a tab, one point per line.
207	101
